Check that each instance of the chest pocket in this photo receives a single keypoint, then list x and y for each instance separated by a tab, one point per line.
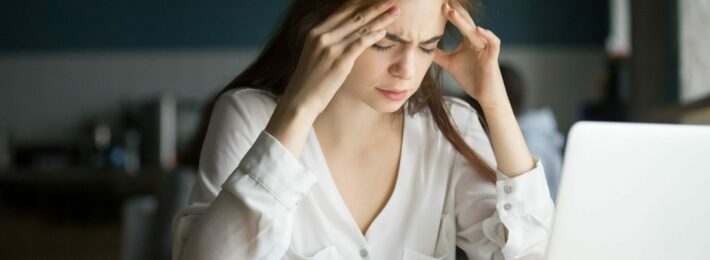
445	242
325	253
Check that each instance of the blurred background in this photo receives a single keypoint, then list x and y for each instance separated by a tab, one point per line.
100	100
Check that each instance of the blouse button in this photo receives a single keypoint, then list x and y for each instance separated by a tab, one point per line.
508	189
363	253
507	206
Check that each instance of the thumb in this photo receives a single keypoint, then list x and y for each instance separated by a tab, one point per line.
441	58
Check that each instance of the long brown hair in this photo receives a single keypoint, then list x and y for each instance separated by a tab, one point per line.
274	66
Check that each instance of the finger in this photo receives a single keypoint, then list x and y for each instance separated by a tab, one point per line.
493	40
467	28
462	11
441	58
358	46
337	17
360	19
380	23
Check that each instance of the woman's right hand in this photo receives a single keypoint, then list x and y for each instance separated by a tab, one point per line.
330	50
328	55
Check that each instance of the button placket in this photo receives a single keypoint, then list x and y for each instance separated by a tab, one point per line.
508	189
507	206
363	253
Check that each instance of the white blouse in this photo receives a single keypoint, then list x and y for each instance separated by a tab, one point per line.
276	206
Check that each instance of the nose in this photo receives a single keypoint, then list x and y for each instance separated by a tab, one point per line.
403	67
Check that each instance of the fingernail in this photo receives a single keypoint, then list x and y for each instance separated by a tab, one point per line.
394	11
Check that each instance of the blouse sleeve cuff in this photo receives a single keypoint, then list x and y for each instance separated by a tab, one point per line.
268	171
523	194
526	209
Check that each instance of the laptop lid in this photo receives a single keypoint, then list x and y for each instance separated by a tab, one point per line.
633	191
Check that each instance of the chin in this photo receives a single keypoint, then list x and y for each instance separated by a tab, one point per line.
385	106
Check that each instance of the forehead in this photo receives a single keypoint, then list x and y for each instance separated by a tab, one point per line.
418	20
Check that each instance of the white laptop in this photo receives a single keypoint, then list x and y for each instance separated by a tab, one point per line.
633	191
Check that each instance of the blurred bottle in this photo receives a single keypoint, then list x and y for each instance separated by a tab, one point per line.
101	142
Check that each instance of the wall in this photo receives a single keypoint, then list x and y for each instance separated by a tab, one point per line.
73	60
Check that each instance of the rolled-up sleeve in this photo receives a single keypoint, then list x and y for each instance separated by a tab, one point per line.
247	190
269	175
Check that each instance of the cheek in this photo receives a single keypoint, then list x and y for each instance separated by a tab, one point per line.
371	64
366	71
423	64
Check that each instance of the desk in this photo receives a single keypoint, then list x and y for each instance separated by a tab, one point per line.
69	213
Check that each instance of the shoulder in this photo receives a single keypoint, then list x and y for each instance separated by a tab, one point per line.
247	102
244	107
462	113
250	98
464	118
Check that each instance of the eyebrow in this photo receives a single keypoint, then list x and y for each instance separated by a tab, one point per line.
393	37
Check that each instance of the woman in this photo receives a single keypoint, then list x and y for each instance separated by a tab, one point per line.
347	150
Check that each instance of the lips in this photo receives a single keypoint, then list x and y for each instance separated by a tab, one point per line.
393	94
393	90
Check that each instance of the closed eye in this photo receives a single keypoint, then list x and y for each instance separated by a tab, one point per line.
427	51
381	48
385	48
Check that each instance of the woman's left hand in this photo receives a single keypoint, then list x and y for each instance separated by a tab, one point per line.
474	64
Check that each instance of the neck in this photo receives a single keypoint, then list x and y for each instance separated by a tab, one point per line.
350	123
